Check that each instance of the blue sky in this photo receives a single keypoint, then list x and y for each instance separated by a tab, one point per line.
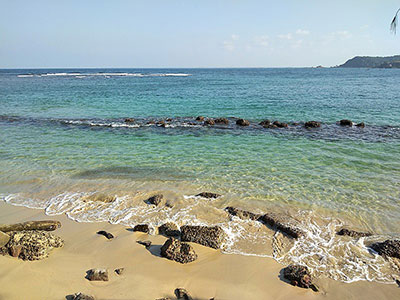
172	33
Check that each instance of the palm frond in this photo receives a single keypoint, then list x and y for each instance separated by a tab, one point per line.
393	25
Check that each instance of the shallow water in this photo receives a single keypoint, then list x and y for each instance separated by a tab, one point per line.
63	137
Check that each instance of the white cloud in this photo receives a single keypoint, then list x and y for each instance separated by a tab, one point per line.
262	40
288	36
234	37
302	32
344	34
229	45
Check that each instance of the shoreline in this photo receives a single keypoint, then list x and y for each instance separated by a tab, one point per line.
149	276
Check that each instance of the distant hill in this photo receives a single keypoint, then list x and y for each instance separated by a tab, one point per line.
372	62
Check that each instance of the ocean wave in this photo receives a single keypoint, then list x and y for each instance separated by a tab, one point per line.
105	74
321	249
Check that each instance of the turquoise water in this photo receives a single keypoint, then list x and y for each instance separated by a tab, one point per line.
63	136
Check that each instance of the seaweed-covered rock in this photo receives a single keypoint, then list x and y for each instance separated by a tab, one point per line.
142	228
209	122
361	125
99	197
146	243
345	123
283	223
97	275
200	118
4	238
169	229
312	124
106	234
299	276
353	233
221	121
265	123
182	294
156	199
208	195
242	122
180	252
31	244
242	214
388	248
81	296
207	236
280	124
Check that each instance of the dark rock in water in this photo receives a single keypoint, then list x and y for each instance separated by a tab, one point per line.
129	120
81	296
146	243
180	252
361	125
4	238
169	229
106	234
282	223
388	248
168	119
345	123
295	123
119	271
203	235
208	195
200	118
353	233
156	199
242	122
270	126
265	123
242	214
183	294
209	122
99	197
97	275
31	244
299	276
280	124
151	122
142	228
312	124
221	121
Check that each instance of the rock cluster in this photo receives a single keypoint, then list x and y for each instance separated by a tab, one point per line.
169	229
183	294
282	223
142	228
207	236
209	122
312	124
242	214
97	275
180	252
388	248
208	195
299	276
221	121
81	296
156	199
353	233
31	244
242	122
146	243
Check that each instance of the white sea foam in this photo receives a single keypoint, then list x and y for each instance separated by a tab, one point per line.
105	74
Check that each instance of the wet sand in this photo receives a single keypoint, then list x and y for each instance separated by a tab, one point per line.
149	276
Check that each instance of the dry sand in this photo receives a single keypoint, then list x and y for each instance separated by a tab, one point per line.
149	276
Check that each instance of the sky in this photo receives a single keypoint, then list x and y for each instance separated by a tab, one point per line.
192	34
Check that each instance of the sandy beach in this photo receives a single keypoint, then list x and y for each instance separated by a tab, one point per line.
149	276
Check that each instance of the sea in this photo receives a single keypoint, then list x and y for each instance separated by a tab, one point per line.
65	141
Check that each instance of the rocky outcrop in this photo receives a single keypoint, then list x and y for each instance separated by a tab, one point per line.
312	124
388	248
169	229
200	118
156	199
280	124
46	225
242	214
345	122
182	294
81	296
265	123
146	243
353	233
360	125
4	238
299	276
106	234
221	121
209	122
283	223
242	122
207	236
129	120
142	228
31	244
208	195
180	252
97	275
